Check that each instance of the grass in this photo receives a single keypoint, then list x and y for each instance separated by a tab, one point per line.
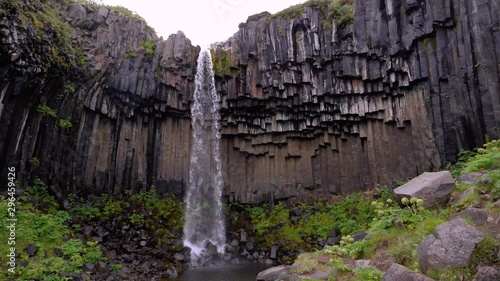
40	222
340	10
46	228
46	111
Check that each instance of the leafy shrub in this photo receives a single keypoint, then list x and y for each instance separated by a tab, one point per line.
85	212
40	197
221	62
340	10
69	88
485	159
65	123
368	273
149	46
46	111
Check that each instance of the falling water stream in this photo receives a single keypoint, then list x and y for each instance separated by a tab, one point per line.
204	227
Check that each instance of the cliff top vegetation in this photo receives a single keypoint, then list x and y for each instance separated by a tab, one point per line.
340	10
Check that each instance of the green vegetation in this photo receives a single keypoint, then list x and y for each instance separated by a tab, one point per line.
55	233
42	225
69	88
368	273
65	123
221	62
46	111
340	10
258	16
394	231
149	46
48	22
128	13
145	208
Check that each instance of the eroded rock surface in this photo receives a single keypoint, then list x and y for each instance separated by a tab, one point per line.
433	188
307	111
313	111
450	246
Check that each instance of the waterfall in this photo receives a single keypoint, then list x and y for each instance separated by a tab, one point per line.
204	226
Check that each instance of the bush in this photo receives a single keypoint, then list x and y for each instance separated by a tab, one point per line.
149	46
368	273
46	111
65	123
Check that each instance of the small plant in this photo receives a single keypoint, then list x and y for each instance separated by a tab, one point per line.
116	267
46	111
85	212
69	88
305	264
368	273
40	197
149	46
414	204
65	123
136	219
35	161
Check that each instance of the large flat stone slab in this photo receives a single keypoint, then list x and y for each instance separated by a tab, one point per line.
433	188
450	246
282	272
398	272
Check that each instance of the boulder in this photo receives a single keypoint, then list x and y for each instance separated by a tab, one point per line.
398	272
450	246
433	188
487	273
477	216
282	272
471	178
462	196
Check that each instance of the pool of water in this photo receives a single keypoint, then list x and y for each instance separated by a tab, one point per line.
229	272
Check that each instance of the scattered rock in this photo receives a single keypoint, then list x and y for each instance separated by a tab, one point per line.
497	204
462	195
487	273
282	272
361	263
478	216
398	272
274	251
243	236
470	178
31	250
359	236
450	246
433	188
58	252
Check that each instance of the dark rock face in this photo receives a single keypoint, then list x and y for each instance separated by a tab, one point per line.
450	246
306	111
129	113
310	111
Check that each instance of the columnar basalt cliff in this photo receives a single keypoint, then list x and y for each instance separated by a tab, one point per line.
311	111
128	105
306	110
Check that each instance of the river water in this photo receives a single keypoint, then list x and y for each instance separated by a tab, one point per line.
229	272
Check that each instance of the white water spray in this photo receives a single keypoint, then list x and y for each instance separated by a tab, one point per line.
204	227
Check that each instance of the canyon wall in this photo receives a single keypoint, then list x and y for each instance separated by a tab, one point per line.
128	105
307	110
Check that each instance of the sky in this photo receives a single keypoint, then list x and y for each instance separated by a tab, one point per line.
203	21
